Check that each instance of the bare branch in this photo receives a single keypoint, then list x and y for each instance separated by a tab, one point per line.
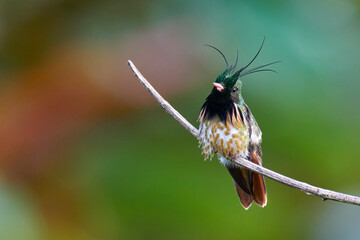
307	188
163	103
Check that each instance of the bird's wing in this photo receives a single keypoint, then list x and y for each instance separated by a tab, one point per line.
254	131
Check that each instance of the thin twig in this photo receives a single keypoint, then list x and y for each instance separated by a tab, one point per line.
307	188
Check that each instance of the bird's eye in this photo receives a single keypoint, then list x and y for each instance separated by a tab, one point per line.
234	90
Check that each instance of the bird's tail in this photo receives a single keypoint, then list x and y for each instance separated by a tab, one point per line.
250	186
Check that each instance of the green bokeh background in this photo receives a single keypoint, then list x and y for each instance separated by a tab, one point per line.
135	173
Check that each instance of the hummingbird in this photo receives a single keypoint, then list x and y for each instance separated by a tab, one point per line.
229	129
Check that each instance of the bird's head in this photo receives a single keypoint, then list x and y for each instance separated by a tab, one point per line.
227	88
225	80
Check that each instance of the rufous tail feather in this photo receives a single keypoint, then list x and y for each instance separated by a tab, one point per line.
249	186
259	188
243	185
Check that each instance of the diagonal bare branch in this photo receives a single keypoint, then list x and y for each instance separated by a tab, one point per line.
305	187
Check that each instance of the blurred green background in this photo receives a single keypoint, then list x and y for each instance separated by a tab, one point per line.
86	153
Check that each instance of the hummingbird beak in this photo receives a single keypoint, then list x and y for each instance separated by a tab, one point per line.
218	86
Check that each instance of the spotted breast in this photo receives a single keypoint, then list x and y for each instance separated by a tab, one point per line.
228	139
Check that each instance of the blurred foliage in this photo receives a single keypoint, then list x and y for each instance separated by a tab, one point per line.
86	153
